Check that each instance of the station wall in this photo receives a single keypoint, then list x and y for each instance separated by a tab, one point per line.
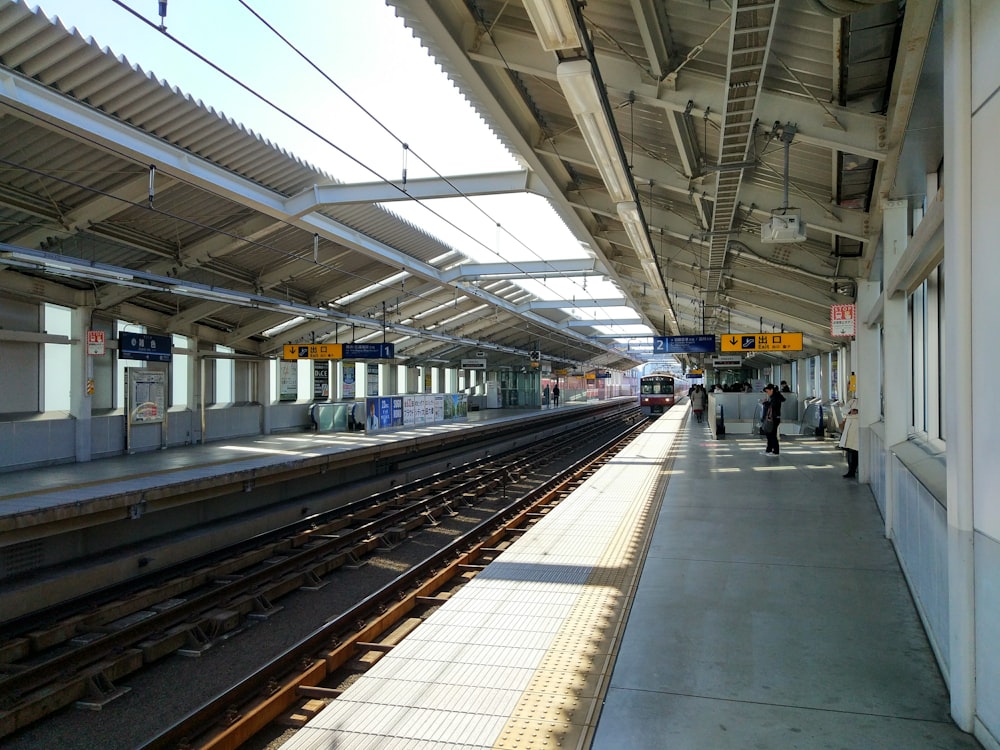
985	229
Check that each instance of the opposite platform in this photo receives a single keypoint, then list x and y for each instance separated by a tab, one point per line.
51	493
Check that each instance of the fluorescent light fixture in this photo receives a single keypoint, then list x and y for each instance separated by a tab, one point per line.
293	309
554	23
580	89
211	294
55	265
81	269
112	274
635	228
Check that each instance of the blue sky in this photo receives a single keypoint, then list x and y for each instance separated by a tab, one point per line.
367	51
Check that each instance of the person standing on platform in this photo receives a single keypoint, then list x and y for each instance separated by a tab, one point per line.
849	430
698	401
772	412
555	395
545	395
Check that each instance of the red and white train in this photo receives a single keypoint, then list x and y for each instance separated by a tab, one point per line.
659	391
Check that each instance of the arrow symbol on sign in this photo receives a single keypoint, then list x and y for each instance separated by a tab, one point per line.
732	341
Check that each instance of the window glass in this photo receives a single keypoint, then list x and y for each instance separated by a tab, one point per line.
58	322
179	373
223	376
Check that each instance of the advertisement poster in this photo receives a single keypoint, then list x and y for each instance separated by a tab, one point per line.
348	377
385	412
147	392
372	423
288	381
397	411
372	379
321	380
409	410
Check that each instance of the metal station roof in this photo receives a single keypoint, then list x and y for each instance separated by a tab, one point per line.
696	102
238	239
245	245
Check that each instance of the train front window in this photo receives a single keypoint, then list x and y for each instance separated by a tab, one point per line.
657	388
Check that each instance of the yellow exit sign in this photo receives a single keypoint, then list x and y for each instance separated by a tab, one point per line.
761	342
313	351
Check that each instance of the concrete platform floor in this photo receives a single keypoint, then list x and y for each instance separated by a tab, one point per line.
772	613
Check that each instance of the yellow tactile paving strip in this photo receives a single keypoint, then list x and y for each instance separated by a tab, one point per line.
521	657
558	710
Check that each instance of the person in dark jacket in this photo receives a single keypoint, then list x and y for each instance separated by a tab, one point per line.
772	410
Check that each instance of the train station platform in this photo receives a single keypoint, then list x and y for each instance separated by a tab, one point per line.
692	594
35	491
69	516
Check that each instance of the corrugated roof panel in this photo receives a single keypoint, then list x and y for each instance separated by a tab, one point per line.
615	30
88	183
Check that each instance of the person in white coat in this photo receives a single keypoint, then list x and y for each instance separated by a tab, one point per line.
849	430
698	398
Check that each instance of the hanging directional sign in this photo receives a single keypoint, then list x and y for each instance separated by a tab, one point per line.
761	342
312	351
369	351
338	351
683	344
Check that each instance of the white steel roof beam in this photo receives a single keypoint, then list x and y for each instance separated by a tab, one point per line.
118	137
560	304
499	183
525	270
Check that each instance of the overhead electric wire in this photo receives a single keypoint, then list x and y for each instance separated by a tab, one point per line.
323	138
409	149
568	342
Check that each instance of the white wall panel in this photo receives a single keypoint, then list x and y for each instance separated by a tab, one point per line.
985	42
985	273
20	379
921	539
988	632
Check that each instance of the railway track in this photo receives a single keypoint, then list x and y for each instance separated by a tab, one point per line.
300	682
81	658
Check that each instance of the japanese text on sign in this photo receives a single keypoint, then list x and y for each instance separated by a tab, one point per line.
95	343
312	351
761	342
843	321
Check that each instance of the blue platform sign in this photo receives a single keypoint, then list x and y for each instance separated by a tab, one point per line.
694	344
144	346
369	351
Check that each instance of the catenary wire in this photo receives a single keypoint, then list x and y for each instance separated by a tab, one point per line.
300	123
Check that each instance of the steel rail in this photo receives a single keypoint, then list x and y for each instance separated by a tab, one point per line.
274	686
